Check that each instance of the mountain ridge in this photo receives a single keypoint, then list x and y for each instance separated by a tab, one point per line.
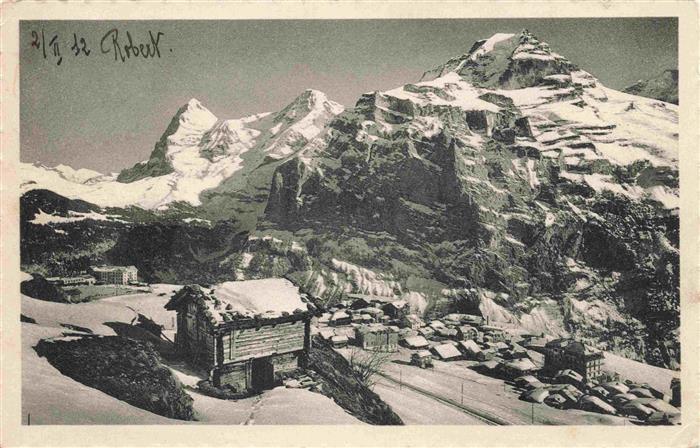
506	182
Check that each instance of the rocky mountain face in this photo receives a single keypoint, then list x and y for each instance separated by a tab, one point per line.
198	153
506	182
663	87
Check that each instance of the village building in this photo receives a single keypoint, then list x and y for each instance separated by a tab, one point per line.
537	395
561	354
445	332
411	321
246	335
616	387
486	355
359	303
326	334
377	337
465	332
470	319
528	382
397	309
517	368
426	332
416	342
339	318
568	376
339	341
422	359
493	334
470	348
515	351
447	352
115	275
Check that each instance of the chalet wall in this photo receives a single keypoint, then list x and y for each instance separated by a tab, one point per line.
240	344
236	375
194	336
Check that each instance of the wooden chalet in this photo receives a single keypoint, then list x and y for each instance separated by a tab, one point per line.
245	334
377	337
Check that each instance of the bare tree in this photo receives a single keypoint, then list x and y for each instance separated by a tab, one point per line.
366	364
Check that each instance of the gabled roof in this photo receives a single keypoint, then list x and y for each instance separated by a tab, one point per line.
470	346
416	341
265	299
447	351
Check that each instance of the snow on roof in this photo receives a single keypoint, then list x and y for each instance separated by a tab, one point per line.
266	296
522	365
470	345
339	315
536	395
447	351
416	341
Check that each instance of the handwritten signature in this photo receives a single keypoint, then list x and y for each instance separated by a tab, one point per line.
112	43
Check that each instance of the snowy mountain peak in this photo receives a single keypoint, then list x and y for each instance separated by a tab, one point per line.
484	46
194	115
509	61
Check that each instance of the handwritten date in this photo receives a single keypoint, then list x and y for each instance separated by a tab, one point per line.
122	47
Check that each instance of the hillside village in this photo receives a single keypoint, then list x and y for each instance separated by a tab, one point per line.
248	337
495	243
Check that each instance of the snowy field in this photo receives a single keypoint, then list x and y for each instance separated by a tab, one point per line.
54	399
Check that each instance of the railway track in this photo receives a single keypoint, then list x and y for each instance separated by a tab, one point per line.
479	415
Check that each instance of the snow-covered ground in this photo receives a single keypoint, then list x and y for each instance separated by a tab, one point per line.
454	380
52	398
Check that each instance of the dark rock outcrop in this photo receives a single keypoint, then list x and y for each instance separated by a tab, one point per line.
123	368
663	87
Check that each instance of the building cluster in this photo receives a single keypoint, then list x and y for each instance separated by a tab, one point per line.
570	377
109	275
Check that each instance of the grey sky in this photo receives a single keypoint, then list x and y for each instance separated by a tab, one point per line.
93	112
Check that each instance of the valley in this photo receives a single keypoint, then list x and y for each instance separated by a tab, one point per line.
506	183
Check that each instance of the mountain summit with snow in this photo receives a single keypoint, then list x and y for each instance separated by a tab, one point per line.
507	181
196	153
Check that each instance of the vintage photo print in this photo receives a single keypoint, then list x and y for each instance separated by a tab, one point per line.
360	221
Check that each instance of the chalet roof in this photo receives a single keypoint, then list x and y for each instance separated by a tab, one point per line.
326	333
267	299
536	395
376	328
523	365
447	351
490	364
527	379
339	315
416	341
470	346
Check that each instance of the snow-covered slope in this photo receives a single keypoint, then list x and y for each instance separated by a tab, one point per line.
197	152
